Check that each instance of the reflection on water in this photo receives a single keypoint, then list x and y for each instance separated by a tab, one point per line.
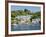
21	27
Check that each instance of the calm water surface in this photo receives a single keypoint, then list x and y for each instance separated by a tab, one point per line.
21	27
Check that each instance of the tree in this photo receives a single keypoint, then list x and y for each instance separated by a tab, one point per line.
25	10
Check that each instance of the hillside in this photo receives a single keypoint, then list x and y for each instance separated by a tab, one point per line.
24	12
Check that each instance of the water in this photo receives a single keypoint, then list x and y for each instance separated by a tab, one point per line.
22	27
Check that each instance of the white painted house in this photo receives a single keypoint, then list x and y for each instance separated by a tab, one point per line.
36	20
24	19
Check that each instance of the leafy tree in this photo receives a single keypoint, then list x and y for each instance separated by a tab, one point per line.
25	10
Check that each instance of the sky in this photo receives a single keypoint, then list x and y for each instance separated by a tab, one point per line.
31	8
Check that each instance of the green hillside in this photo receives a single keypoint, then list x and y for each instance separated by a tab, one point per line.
24	12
